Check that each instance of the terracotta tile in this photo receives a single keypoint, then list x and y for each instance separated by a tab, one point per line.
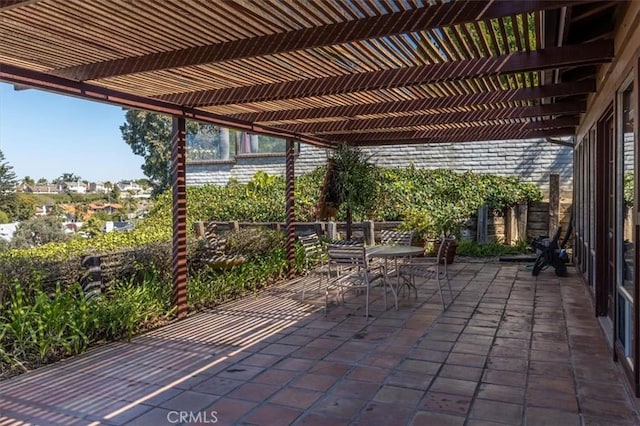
467	360
446	403
554	369
314	382
603	391
614	410
311	353
497	411
547	417
261	360
604	421
254	391
507	378
382	360
377	413
556	400
453	386
428	355
241	372
460	372
270	414
275	377
217	385
229	410
295	364
335	406
313	419
507	364
279	349
410	379
440	419
436	345
155	416
189	401
398	395
355	389
296	398
501	393
552	384
417	366
369	374
330	368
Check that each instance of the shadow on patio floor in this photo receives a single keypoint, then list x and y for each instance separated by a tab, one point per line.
511	349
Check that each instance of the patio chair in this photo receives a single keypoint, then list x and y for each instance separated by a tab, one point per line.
315	259
429	269
396	237
353	273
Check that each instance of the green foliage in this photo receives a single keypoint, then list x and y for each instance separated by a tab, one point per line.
38	231
149	135
7	181
629	189
493	249
20	207
4	218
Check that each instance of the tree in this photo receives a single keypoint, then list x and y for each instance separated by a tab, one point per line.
27	180
42	181
351	183
38	231
115	193
7	182
69	177
149	135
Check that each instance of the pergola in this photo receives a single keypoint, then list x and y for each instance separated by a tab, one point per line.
363	72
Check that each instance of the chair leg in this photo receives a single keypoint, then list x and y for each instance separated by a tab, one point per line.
326	299
366	303
440	292
450	291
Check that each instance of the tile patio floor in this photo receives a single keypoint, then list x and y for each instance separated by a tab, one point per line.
510	350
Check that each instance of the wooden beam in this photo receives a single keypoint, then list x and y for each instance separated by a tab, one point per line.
63	86
11	4
427	119
469	134
481	98
552	124
420	19
552	57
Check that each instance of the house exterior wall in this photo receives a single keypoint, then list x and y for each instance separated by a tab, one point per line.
606	229
531	160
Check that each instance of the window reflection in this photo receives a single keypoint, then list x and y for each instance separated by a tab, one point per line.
628	247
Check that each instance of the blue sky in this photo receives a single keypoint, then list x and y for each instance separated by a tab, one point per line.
45	135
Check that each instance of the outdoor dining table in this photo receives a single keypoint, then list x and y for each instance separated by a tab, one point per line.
394	252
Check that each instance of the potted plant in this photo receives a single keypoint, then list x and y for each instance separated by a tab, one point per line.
350	183
448	220
420	222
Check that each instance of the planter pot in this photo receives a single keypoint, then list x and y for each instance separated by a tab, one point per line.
418	243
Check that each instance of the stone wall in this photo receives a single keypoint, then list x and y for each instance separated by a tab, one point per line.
531	160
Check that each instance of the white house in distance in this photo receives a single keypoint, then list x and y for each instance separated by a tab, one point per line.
131	188
76	187
98	187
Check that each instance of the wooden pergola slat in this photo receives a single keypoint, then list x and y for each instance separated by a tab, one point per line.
480	98
572	55
326	128
434	16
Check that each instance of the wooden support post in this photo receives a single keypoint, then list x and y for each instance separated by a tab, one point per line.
332	230
522	212
369	237
91	280
198	228
483	224
290	210
179	248
510	226
554	203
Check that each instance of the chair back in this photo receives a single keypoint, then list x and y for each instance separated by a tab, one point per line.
442	252
347	256
402	238
313	249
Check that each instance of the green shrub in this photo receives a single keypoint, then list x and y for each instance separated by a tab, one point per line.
492	249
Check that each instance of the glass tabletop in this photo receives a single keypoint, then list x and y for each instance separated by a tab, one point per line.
393	251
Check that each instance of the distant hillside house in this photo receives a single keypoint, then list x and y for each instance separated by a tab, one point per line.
105	208
75	187
130	188
43	189
97	187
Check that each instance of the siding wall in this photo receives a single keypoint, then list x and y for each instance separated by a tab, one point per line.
532	160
